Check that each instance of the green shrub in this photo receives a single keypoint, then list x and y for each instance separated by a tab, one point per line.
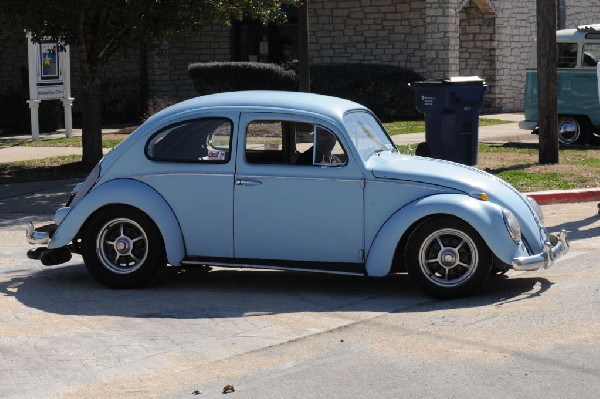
382	88
15	116
215	77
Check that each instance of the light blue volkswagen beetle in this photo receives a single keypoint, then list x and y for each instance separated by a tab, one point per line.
292	181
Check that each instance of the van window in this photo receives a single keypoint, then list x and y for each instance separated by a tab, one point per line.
590	54
567	55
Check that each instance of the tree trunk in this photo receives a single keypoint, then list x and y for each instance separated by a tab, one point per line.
92	122
303	54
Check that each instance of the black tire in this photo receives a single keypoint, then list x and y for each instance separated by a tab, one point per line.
447	258
122	247
574	130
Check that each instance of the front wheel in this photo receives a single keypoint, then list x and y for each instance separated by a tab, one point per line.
122	247
446	258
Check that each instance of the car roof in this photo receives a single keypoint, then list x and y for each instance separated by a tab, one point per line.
261	100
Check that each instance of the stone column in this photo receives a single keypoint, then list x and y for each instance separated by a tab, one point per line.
442	34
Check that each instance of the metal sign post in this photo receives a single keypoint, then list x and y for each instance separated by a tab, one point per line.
49	79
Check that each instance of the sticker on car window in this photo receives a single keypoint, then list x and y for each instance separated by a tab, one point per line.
216	155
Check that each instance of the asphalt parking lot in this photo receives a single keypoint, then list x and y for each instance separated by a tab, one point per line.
279	334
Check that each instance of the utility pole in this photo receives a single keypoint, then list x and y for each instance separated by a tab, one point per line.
303	61
547	81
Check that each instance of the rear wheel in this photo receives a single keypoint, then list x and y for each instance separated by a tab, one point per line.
123	248
447	258
573	130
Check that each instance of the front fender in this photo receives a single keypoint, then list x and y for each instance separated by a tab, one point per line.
127	192
483	216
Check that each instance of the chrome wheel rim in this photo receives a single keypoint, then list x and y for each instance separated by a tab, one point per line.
568	131
448	257
122	246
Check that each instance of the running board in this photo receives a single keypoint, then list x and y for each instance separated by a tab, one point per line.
351	269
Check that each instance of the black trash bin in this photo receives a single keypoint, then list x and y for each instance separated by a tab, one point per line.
451	107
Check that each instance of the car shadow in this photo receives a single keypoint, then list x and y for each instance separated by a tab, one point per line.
579	229
71	290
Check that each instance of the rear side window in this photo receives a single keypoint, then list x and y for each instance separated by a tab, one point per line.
567	55
590	55
199	140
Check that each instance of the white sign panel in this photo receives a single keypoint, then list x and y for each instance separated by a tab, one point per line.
50	92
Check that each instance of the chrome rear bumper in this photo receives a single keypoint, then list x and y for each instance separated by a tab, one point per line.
554	248
41	235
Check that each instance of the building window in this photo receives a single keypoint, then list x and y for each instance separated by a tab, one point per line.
277	44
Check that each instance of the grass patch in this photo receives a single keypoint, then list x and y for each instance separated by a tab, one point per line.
526	149
55	168
524	180
405	127
62	142
492	122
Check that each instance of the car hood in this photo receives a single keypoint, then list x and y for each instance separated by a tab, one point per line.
460	177
454	176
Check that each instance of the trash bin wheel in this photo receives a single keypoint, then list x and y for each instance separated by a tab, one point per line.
423	150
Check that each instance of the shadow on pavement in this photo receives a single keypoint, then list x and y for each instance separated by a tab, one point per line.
71	290
579	229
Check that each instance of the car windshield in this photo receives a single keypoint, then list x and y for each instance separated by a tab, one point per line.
367	134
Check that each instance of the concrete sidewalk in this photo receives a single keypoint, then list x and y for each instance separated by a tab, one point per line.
18	153
506	133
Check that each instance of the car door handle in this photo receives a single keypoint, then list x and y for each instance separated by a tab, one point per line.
242	182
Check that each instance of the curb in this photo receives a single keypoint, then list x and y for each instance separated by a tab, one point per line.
565	196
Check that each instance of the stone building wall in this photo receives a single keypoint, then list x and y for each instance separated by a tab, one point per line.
477	53
369	32
515	32
212	44
14	49
436	38
168	65
581	12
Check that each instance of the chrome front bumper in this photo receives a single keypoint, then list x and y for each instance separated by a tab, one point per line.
554	248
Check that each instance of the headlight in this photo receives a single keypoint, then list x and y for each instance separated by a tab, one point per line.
512	225
536	208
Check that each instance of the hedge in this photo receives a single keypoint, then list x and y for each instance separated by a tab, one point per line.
215	77
382	88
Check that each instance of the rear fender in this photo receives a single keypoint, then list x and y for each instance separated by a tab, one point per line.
124	192
484	216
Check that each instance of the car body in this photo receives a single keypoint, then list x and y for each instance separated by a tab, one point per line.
578	52
225	180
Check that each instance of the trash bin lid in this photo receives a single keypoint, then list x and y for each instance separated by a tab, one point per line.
455	80
465	80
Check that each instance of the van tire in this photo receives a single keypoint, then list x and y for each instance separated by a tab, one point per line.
573	130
